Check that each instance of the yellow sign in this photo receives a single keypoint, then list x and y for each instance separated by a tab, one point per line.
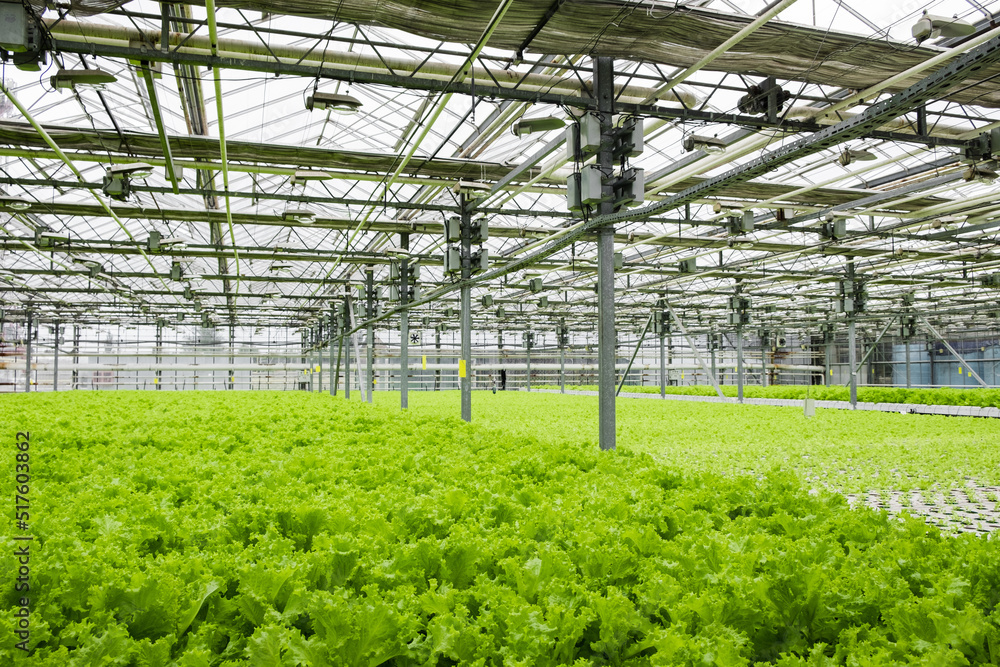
317	368
461	368
682	375
960	370
831	371
156	380
423	362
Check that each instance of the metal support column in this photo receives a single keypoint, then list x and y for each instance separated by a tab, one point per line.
828	342
318	351
604	90
527	359
852	357
334	336
232	373
715	372
27	357
159	358
763	363
55	360
370	333
465	362
663	366
739	364
906	344
437	360
347	350
404	325
76	358
562	369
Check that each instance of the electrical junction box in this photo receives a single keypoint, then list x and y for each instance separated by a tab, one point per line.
453	229
845	305
834	230
394	271
632	192
480	261
631	138
688	265
536	285
572	142
449	312
393	293
590	134
733	319
487	301
501	313
175	271
992	280
414	269
591	180
619	261
452	261
573	200
14	27
480	230
741	224
543	302
414	292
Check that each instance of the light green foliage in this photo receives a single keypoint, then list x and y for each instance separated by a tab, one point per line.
290	529
982	398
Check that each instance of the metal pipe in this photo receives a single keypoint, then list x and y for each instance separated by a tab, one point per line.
852	355
562	369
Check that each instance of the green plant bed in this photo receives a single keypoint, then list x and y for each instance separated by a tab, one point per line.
984	398
225	528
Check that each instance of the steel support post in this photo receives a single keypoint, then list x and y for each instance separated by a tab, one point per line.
318	351
404	325
763	363
465	363
27	357
159	359
604	90
828	343
309	337
437	361
55	360
347	350
76	358
232	373
852	351
562	369
370	333
739	364
334	336
663	366
527	359
906	344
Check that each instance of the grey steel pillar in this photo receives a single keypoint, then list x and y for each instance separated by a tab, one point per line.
527	359
159	358
55	361
562	369
604	90
663	365
465	363
370	333
828	345
334	331
404	325
318	352
906	343
347	353
739	364
27	357
309	337
711	346
437	360
232	373
852	357
763	363
76	358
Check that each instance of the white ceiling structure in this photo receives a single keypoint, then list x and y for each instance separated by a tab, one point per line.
219	92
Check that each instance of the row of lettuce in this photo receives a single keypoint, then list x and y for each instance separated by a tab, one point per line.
984	398
292	529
